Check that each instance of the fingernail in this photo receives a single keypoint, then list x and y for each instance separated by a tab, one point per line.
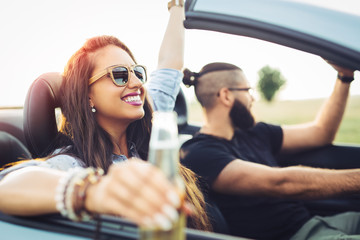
163	222
174	199
170	212
148	222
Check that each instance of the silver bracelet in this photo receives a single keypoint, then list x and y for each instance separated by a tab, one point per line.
61	191
71	192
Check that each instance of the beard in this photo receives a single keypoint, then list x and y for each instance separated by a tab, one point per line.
241	116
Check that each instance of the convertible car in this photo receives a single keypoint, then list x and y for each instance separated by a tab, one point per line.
333	35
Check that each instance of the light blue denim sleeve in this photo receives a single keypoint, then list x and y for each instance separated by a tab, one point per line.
163	87
61	162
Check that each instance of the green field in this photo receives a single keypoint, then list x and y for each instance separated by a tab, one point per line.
292	112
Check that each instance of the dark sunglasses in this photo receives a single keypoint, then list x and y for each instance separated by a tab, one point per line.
120	74
248	89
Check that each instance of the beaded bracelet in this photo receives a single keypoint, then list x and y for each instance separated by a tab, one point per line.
80	191
61	191
71	192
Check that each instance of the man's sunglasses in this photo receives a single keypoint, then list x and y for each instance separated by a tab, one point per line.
120	74
248	89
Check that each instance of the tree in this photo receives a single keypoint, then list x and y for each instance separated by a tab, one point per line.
270	81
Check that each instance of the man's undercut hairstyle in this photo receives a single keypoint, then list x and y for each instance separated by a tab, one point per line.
211	78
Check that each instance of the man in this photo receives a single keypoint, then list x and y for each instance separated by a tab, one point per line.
235	159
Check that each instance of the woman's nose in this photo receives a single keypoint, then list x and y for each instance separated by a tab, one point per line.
134	81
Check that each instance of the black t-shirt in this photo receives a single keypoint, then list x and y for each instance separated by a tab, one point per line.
247	216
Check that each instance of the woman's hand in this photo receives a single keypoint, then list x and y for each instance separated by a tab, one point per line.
136	190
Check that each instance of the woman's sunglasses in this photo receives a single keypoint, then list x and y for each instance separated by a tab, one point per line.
120	74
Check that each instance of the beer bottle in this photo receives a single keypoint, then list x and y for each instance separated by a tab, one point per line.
164	153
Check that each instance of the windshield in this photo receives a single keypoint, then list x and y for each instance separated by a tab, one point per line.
291	14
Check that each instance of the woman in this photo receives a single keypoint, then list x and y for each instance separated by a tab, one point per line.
107	119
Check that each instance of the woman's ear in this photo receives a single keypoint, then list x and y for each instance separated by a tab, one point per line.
226	97
91	104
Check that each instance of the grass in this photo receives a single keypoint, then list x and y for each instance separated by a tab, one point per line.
293	112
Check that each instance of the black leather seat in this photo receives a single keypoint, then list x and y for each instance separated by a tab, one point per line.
40	128
11	149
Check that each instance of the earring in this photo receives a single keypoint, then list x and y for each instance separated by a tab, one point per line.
93	109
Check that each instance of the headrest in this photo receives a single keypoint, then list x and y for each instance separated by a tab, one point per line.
181	109
42	99
11	149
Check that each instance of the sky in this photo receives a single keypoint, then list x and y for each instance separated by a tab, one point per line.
39	36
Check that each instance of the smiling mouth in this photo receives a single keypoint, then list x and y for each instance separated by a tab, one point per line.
133	100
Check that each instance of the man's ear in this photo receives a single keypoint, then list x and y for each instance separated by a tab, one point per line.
226	97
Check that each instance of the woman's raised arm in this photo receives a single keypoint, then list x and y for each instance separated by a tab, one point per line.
171	54
164	84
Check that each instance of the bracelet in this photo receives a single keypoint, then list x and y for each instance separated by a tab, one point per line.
345	79
173	3
61	191
81	188
71	192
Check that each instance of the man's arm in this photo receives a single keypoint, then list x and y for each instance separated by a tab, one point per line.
242	177
323	129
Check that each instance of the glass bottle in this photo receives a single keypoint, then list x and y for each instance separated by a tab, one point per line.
164	153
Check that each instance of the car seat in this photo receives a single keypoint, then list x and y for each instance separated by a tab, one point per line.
40	128
11	149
